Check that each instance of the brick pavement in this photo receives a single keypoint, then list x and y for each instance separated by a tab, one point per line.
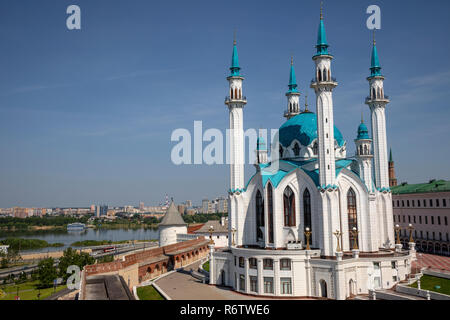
431	261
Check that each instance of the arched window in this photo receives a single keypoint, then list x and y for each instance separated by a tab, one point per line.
307	210
231	93
320	75
329	75
324	76
315	148
240	94
374	96
296	150
366	150
352	215
259	216
235	93
270	212
289	207
360	149
281	152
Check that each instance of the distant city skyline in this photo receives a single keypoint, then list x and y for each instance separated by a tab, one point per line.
86	115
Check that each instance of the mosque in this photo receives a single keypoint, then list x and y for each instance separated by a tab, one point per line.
313	221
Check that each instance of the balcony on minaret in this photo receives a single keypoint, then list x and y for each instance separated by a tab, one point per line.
377	98
320	80
239	98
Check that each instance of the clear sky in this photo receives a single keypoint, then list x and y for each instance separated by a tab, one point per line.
86	115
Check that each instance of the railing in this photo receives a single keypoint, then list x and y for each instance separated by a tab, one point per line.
383	98
333	79
228	98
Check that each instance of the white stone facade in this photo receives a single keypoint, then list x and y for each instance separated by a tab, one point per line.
349	217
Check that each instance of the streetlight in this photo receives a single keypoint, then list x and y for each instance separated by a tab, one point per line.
397	230
410	228
211	230
233	231
338	234
307	234
354	233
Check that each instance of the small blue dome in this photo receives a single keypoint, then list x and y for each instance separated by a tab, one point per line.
303	127
363	133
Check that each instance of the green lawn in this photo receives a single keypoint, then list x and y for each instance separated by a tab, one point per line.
429	283
148	293
206	266
27	291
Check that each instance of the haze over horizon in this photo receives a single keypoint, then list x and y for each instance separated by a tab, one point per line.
86	116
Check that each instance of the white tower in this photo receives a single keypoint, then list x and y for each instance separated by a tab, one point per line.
377	102
171	224
236	102
364	155
292	95
261	151
323	85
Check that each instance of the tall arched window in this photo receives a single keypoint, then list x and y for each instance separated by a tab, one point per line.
289	207
296	150
259	216
320	75
352	215
236	93
281	152
270	212
307	209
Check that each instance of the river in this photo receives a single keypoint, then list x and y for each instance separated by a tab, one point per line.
67	238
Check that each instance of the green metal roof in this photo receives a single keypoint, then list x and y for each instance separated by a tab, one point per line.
432	186
375	68
235	61
292	80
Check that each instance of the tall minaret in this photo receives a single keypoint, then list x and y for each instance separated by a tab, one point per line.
392	178
292	95
323	85
236	102
364	155
377	102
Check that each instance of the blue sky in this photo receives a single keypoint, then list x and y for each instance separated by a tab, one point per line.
86	116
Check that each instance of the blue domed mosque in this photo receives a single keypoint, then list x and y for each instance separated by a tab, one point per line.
312	221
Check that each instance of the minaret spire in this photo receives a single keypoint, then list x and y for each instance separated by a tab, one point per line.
292	95
236	103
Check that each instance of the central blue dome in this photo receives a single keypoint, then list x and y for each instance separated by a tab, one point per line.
303	128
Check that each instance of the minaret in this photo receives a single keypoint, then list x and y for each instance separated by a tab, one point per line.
292	95
236	102
364	155
392	178
377	102
261	151
323	85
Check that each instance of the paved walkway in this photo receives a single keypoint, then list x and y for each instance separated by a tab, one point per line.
432	261
182	286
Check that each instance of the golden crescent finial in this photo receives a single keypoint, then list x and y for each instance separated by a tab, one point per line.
292	60
234	37
321	10
374	41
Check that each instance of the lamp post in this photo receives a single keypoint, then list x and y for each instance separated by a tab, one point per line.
211	230
354	233
307	234
233	231
338	234
410	228
397	230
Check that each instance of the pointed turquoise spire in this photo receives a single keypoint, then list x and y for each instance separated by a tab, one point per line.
375	68
322	44
390	155
235	60
292	80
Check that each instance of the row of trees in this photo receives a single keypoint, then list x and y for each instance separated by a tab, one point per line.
48	272
23	223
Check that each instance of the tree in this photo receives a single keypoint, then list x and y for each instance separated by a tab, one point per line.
10	258
71	257
46	272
